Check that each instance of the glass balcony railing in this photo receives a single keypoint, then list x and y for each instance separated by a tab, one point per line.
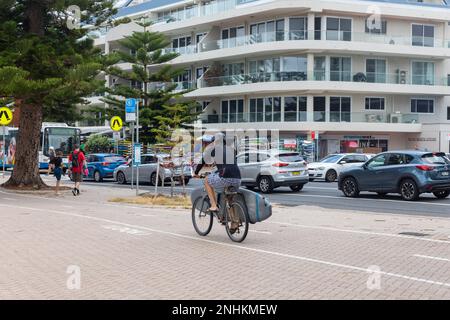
316	116
321	35
339	76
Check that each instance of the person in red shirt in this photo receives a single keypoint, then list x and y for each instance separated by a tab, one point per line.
77	162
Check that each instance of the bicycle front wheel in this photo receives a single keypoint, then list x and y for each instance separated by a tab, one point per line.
201	219
237	222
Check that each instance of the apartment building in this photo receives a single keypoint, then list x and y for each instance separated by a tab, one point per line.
364	75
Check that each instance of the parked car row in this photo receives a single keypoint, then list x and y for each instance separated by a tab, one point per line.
408	173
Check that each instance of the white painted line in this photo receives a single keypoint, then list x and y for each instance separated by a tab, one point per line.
67	207
131	231
392	235
262	232
430	257
239	247
373	200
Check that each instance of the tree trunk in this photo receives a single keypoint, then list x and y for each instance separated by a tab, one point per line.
26	166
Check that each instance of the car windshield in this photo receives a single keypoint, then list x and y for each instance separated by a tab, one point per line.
290	157
331	159
114	159
435	159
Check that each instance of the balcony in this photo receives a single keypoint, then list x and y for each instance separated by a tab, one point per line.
317	116
321	76
321	36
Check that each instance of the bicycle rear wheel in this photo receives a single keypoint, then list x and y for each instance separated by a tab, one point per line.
201	219
241	221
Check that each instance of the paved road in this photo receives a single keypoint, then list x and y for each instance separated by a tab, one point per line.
50	245
326	195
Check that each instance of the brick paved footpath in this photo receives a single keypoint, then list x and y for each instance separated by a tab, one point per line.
124	251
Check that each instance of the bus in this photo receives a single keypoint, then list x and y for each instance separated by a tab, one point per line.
59	136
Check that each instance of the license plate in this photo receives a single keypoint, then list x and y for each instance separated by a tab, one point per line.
445	174
296	173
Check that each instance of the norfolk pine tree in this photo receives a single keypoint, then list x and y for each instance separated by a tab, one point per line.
46	65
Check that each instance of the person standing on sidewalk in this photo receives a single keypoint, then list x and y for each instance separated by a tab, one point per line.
77	161
57	163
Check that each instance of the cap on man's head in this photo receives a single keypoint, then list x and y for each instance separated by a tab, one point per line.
76	146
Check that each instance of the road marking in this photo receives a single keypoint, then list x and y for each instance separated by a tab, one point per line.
358	232
364	199
430	257
67	207
262	232
9	199
132	231
239	247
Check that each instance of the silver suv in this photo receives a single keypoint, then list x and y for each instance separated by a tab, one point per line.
270	169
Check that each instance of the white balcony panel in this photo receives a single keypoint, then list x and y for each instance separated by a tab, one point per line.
319	87
313	46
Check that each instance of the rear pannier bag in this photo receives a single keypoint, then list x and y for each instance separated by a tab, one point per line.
258	206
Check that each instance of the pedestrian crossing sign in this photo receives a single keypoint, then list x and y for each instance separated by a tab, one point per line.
6	116
116	123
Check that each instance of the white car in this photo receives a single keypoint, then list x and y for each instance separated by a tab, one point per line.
330	167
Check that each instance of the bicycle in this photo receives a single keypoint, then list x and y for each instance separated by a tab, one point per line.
232	208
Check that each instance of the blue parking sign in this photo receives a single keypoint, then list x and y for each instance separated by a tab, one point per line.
130	105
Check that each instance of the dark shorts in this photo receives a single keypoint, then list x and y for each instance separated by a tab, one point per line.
77	176
58	173
219	183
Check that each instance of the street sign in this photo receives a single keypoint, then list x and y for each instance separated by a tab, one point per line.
130	110
116	123
137	154
6	116
314	135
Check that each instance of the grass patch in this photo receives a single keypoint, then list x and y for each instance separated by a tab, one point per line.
159	200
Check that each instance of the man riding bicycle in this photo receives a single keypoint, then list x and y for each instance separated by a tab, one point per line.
227	175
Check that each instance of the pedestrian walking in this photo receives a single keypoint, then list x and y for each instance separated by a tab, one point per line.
56	162
77	162
51	157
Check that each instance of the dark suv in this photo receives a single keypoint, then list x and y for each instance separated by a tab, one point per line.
409	173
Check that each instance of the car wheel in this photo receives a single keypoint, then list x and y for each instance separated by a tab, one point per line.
153	180
265	184
350	187
297	187
441	194
97	176
409	190
121	178
331	176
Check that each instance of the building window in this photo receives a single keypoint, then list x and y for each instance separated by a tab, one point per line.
182	45
448	113
318	28
340	109
373	103
319	109
298	28
267	31
376	70
422	105
339	29
422	35
233	37
319	69
294	109
294	68
376	29
265	109
422	73
340	69
232	111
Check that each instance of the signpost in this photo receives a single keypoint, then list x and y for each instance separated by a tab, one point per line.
132	116
130	110
6	117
